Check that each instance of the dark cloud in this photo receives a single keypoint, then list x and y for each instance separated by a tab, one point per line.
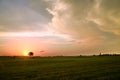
18	15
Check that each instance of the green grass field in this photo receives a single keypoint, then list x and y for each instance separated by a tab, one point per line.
60	68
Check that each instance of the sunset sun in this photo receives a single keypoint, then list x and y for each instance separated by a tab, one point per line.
25	53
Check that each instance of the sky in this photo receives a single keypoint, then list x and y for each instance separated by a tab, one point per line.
59	27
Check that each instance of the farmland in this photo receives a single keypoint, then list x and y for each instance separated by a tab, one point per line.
60	68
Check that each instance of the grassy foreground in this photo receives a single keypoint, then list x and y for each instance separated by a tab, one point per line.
60	68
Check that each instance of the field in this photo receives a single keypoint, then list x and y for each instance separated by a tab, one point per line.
60	68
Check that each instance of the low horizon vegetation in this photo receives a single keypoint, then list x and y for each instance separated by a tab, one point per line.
60	68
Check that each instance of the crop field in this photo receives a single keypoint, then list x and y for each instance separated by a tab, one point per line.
60	68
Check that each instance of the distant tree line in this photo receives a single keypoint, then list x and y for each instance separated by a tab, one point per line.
109	55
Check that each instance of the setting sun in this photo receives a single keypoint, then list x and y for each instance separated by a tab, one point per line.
25	53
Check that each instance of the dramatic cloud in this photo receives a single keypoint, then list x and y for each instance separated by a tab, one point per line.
94	20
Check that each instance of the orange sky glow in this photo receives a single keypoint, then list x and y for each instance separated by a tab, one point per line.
59	27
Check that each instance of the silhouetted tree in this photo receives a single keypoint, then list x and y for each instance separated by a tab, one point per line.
100	54
30	53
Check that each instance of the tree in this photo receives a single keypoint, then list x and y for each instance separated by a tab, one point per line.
30	53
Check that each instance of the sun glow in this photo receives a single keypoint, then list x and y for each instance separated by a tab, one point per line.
25	53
